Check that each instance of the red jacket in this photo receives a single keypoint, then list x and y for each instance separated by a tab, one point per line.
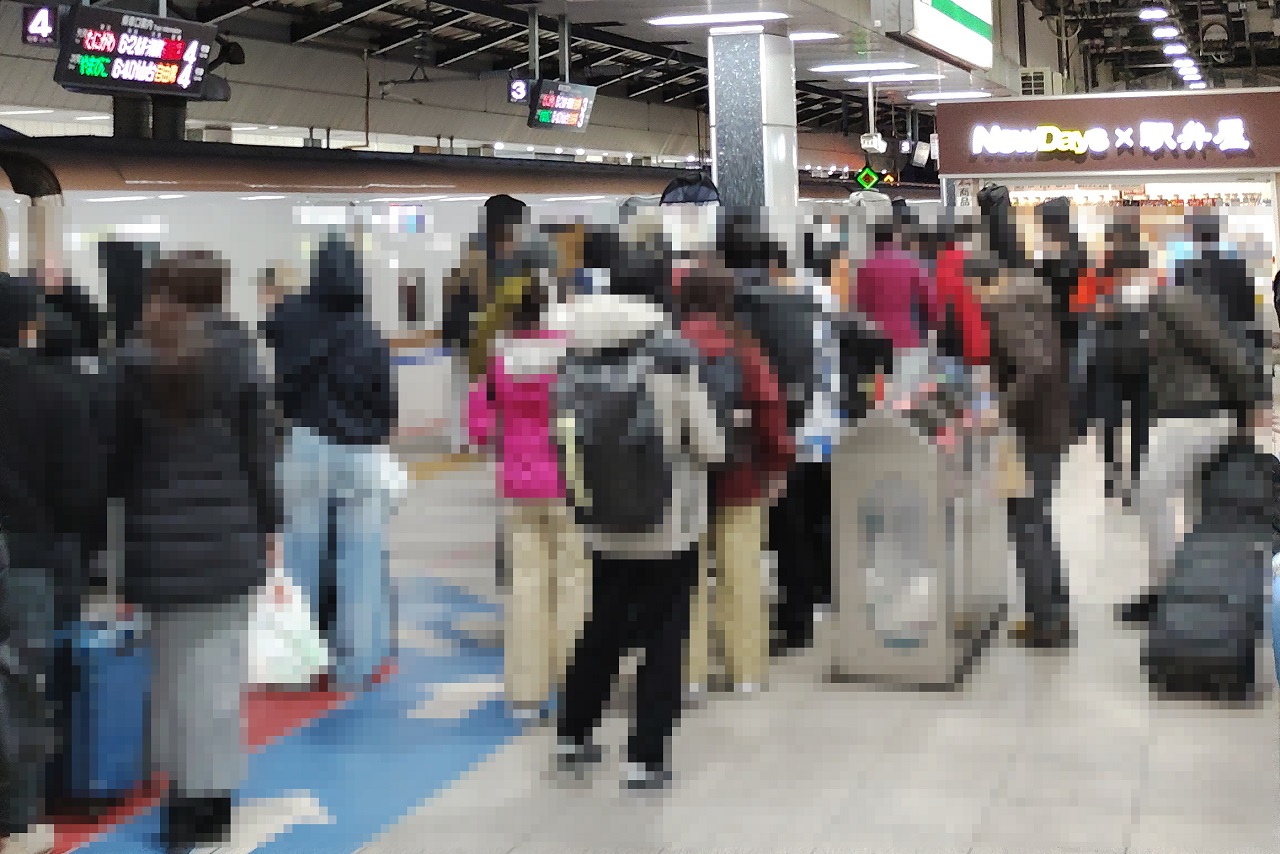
954	293
743	482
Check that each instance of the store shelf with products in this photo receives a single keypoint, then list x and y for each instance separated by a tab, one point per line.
1243	194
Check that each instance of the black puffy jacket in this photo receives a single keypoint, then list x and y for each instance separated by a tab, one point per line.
199	490
332	366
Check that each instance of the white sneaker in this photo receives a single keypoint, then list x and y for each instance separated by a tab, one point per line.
37	840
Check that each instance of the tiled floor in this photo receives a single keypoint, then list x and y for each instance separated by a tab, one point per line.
1040	752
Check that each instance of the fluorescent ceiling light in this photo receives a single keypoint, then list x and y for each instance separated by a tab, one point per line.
498	146
813	37
559	150
120	199
171	196
576	199
528	148
840	68
716	19
1197	85
745	30
895	78
92	118
1184	62
246	127
1175	49
1164	32
1153	13
259	198
25	112
947	96
1189	71
581	151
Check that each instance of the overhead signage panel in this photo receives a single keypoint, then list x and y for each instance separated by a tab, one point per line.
114	52
963	29
563	106
40	25
1103	133
518	91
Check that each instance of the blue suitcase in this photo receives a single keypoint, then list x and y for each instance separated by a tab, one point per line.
108	720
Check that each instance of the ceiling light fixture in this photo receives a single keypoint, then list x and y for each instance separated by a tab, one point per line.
260	198
1197	85
25	112
528	148
498	146
849	67
1191	76
581	151
813	37
1183	62
947	96
1153	13
744	30
1164	32
715	20
896	78
1177	49
120	199
559	150
93	118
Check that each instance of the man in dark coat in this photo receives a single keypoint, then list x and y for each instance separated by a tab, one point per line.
335	386
46	514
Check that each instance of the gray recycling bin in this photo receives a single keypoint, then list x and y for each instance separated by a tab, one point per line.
920	552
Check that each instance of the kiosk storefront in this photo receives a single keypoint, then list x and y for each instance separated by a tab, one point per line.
1175	151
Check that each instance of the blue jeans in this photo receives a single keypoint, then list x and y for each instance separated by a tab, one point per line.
334	494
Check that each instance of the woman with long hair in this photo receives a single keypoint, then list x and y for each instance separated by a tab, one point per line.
194	464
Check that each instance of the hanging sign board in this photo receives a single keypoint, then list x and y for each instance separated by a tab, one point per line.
563	106
961	31
518	91
40	25
1163	132
126	53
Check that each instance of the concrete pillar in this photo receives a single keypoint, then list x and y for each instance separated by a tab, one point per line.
131	117
169	118
753	118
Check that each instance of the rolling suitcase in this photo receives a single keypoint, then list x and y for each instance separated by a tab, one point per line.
1204	634
106	749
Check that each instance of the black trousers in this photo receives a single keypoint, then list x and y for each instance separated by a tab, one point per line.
1115	388
800	535
642	605
1040	561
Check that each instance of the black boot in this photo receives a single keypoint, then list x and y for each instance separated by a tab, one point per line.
212	821
180	836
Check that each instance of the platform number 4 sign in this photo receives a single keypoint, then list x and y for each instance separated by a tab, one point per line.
40	25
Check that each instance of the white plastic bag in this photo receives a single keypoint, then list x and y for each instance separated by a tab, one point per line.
394	477
285	646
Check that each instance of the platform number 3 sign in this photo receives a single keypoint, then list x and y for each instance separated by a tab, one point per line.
40	25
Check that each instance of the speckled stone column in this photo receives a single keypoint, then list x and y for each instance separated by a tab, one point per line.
753	119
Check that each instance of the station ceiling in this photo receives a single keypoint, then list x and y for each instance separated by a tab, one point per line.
611	45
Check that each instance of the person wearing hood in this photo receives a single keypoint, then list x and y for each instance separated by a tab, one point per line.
334	385
47	516
193	465
511	405
643	578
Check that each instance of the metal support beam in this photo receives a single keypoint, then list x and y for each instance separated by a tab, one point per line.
636	73
686	93
564	47
391	43
535	30
510	37
351	12
217	11
546	54
662	83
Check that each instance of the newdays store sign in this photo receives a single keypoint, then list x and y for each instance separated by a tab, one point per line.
1152	137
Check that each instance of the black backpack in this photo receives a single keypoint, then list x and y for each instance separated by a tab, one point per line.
782	321
693	189
613	451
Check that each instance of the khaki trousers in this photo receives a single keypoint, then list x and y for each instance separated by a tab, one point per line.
550	580
736	537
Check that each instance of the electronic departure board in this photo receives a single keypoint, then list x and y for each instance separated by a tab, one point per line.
127	53
561	105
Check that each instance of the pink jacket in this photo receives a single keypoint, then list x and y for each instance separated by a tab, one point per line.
511	403
891	287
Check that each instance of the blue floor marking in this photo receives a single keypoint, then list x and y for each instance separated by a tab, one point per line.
368	763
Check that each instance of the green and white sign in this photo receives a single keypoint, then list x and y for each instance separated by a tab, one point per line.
959	28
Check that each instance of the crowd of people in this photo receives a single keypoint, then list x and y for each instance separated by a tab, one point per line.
663	404
150	464
664	407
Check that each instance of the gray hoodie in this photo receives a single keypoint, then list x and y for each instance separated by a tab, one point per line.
690	428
